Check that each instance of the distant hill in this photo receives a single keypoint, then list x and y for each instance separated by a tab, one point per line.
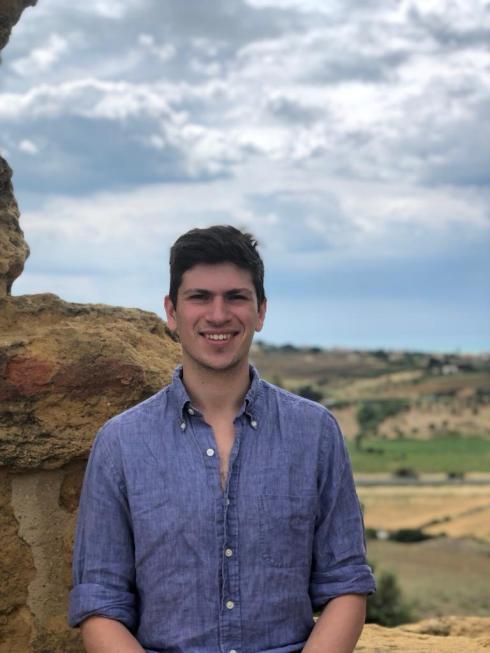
385	400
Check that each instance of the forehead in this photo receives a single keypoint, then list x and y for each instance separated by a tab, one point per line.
216	277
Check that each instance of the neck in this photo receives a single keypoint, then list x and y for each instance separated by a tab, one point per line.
216	391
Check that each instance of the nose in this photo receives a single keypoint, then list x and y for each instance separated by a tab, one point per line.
218	311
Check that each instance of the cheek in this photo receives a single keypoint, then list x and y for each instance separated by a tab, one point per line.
189	321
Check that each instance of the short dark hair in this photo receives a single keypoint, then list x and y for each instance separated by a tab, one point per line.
217	244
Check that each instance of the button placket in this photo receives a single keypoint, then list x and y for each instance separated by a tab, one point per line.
204	439
231	616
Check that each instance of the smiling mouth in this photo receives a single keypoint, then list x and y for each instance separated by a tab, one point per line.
218	337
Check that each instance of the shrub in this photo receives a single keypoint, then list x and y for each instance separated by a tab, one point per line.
387	606
455	476
371	533
409	535
405	472
309	392
370	414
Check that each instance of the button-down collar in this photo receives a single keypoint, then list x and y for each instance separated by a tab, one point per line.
185	407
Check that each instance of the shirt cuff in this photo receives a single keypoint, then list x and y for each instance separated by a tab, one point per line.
89	599
354	579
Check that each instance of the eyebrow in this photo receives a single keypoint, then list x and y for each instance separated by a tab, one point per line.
206	291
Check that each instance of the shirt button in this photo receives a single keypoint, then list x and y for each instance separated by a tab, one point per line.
232	651
210	452
182	426
190	410
230	605
253	424
228	553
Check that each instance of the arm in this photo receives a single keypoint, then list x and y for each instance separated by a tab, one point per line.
340	577
102	635
339	626
103	556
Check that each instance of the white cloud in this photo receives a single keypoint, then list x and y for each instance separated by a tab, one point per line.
41	58
338	131
28	147
164	52
455	15
112	9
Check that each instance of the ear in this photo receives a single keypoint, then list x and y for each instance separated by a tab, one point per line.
170	312
261	315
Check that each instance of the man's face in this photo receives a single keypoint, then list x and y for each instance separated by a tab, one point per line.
216	315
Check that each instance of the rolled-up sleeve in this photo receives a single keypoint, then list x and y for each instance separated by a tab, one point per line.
339	551
103	557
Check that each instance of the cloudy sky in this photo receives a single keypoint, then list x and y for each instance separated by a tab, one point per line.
353	138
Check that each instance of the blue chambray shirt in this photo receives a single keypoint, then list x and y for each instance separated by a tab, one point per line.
188	567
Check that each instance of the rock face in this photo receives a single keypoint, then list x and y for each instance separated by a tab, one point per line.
64	370
13	248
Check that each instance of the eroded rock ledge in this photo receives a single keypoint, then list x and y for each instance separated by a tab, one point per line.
66	368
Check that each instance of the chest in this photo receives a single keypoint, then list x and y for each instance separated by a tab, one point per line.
224	435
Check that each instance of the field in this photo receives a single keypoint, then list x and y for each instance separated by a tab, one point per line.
450	453
444	575
426	412
456	510
440	576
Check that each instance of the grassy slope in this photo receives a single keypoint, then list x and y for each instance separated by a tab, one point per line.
442	454
422	572
440	406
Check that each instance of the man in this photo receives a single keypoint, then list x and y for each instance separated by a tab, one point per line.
217	514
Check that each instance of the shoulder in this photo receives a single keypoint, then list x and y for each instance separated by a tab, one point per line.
290	402
290	406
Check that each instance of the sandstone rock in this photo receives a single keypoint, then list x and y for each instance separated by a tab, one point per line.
47	529
16	572
474	627
66	368
13	248
465	635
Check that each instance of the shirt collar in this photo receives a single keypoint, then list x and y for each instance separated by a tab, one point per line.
249	406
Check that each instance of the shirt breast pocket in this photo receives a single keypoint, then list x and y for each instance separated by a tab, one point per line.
286	526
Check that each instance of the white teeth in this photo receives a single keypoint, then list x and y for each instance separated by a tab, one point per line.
218	336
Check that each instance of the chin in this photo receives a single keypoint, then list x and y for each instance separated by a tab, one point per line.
222	366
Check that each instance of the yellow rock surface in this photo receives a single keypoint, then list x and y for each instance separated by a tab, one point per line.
442	635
